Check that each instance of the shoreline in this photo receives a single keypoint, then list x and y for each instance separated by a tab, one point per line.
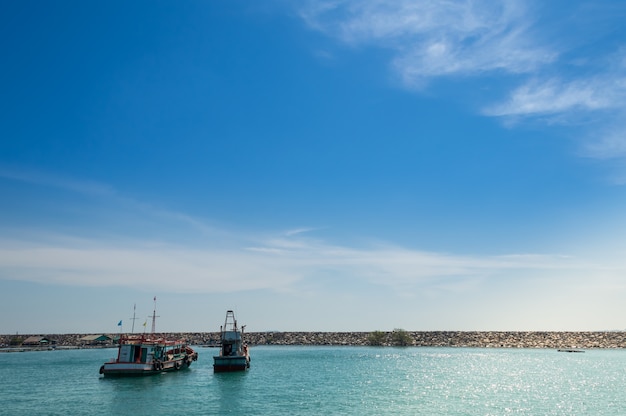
467	339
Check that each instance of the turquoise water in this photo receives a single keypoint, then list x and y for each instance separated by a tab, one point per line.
326	380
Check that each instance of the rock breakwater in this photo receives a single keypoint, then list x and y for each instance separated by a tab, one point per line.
473	339
556	340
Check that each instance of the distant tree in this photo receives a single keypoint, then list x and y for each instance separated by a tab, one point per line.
376	338
401	338
15	341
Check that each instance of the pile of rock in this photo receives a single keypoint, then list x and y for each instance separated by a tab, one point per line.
474	339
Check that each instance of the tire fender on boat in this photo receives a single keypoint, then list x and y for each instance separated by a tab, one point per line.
102	370
177	365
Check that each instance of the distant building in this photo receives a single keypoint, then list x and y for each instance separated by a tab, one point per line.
96	339
37	341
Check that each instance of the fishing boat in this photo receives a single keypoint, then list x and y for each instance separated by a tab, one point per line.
144	355
141	355
234	354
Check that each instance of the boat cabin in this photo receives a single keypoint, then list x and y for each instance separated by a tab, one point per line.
230	342
131	353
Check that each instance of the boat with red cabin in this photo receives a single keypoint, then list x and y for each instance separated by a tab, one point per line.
141	355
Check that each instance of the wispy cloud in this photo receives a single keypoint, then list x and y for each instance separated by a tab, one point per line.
554	96
436	38
105	194
469	38
595	87
49	179
610	143
281	264
295	264
241	261
595	105
296	231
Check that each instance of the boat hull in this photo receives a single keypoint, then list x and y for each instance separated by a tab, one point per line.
117	369
228	364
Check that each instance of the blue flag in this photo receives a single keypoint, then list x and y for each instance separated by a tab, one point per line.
119	323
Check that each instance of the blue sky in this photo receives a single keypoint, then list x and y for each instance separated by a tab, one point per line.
316	166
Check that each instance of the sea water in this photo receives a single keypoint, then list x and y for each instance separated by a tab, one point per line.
298	380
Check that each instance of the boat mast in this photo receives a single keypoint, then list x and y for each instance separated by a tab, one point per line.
154	316
132	331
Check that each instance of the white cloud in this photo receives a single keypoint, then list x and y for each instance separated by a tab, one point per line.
442	38
239	261
595	105
388	285
300	270
57	181
141	264
281	264
436	38
554	96
296	231
108	195
610	143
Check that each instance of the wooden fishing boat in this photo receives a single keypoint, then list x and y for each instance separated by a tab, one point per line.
144	355
141	355
234	354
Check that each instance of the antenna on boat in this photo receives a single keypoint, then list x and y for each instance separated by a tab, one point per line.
154	316
132	331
